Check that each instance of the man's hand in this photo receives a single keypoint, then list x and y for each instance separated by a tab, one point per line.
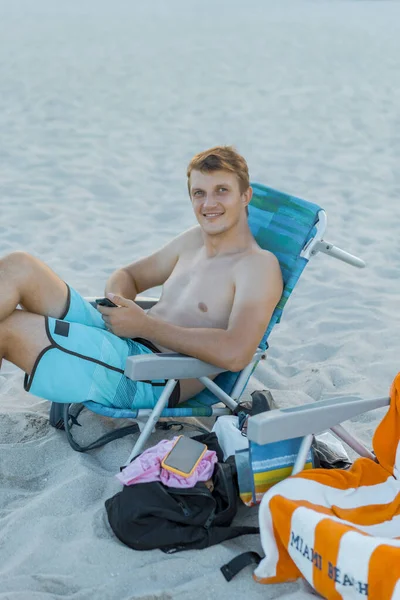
126	320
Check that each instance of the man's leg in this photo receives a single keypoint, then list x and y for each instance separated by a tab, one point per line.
27	281
22	338
67	361
80	362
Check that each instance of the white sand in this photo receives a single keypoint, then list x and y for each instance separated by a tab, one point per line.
100	111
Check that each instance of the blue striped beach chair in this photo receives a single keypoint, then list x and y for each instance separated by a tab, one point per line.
293	230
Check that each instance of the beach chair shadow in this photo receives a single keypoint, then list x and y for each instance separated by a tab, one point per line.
293	230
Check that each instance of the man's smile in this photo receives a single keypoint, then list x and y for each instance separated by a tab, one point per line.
212	215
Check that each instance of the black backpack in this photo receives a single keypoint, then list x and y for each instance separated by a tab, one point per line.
145	516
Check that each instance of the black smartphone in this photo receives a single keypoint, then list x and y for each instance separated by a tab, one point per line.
105	302
184	456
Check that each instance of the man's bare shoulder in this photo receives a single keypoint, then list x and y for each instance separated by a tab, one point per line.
259	270
259	261
188	240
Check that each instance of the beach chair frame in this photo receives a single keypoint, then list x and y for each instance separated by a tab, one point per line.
311	419
174	366
303	226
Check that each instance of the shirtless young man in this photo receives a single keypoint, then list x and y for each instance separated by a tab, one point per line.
219	291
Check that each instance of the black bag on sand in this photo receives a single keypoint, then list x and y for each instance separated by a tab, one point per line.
145	516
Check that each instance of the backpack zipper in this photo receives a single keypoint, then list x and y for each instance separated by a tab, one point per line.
191	492
184	508
197	492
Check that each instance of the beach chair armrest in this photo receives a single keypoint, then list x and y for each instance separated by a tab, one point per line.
167	365
318	244
145	302
336	252
311	418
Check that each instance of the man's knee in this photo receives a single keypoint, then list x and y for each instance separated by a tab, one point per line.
19	266
18	260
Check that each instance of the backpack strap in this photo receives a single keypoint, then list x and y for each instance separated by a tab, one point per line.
216	535
70	420
61	418
232	568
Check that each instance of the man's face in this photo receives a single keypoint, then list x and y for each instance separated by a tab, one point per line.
217	200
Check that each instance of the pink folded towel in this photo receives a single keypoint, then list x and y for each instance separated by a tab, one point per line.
147	467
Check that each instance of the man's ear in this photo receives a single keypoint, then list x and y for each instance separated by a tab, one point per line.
247	196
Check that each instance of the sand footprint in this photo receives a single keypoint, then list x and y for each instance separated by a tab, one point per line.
19	428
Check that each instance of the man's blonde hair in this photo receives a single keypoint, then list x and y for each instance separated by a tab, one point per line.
221	158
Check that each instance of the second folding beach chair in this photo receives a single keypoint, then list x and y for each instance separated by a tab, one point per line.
338	529
293	230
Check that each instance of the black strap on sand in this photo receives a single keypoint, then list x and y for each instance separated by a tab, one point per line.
70	420
238	563
62	418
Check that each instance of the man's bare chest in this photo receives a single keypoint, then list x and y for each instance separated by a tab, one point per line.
198	294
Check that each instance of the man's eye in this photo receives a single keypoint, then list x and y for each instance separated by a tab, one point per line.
222	189
198	193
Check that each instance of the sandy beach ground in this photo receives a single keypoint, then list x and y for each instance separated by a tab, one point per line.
101	108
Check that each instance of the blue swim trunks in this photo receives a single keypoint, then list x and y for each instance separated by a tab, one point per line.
84	361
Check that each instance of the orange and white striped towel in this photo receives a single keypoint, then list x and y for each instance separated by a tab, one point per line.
340	530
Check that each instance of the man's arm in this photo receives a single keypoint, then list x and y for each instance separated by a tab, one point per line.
148	272
258	288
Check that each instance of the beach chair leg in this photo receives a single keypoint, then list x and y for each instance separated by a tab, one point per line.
152	420
217	391
353	442
141	423
301	457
